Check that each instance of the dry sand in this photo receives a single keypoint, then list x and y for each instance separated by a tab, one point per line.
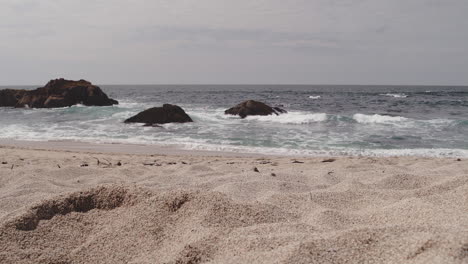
207	209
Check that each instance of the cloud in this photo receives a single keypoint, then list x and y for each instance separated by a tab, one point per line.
241	38
243	41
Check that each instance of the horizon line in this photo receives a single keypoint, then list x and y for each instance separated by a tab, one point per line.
249	84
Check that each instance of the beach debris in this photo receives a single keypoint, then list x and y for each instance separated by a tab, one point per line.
273	174
458	159
152	164
330	172
119	163
328	160
171	163
230	162
296	161
4	162
107	165
264	162
183	162
59	166
84	165
12	165
256	169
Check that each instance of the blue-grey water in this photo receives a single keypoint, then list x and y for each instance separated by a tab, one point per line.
322	120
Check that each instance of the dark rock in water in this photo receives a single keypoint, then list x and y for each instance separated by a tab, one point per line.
161	115
252	107
10	97
57	93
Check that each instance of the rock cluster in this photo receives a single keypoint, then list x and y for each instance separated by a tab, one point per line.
56	93
63	93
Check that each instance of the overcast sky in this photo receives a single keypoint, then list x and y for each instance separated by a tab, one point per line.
235	41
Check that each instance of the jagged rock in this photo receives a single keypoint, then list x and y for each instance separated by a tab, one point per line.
161	115
10	97
252	107
57	93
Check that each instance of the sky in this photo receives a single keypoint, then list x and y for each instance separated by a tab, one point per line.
398	42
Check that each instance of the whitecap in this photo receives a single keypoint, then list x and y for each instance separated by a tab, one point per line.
314	97
378	119
395	95
292	118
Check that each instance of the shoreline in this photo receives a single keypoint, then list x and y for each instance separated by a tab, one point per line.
120	148
155	149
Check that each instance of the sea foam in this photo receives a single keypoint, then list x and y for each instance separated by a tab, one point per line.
395	95
378	119
292	118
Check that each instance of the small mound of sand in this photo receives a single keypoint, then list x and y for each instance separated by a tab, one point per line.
118	224
100	198
403	182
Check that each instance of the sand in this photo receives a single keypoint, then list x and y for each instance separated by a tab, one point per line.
61	206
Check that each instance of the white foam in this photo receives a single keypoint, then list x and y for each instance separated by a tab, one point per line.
378	119
421	152
314	97
395	95
292	118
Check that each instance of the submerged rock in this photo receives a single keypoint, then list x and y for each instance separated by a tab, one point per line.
57	93
161	115
252	107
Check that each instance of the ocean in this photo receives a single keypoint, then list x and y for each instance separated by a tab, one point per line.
322	120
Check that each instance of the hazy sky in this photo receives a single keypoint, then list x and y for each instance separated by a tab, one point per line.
235	41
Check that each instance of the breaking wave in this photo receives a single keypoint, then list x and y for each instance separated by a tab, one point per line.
292	118
378	119
395	95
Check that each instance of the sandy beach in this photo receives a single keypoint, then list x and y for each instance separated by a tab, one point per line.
60	206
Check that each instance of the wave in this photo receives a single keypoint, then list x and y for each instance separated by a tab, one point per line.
292	118
314	97
395	95
295	133
378	119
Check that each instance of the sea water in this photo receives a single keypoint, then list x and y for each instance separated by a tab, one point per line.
321	119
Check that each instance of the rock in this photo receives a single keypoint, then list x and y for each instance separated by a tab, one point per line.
161	115
10	97
252	107
57	93
296	161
